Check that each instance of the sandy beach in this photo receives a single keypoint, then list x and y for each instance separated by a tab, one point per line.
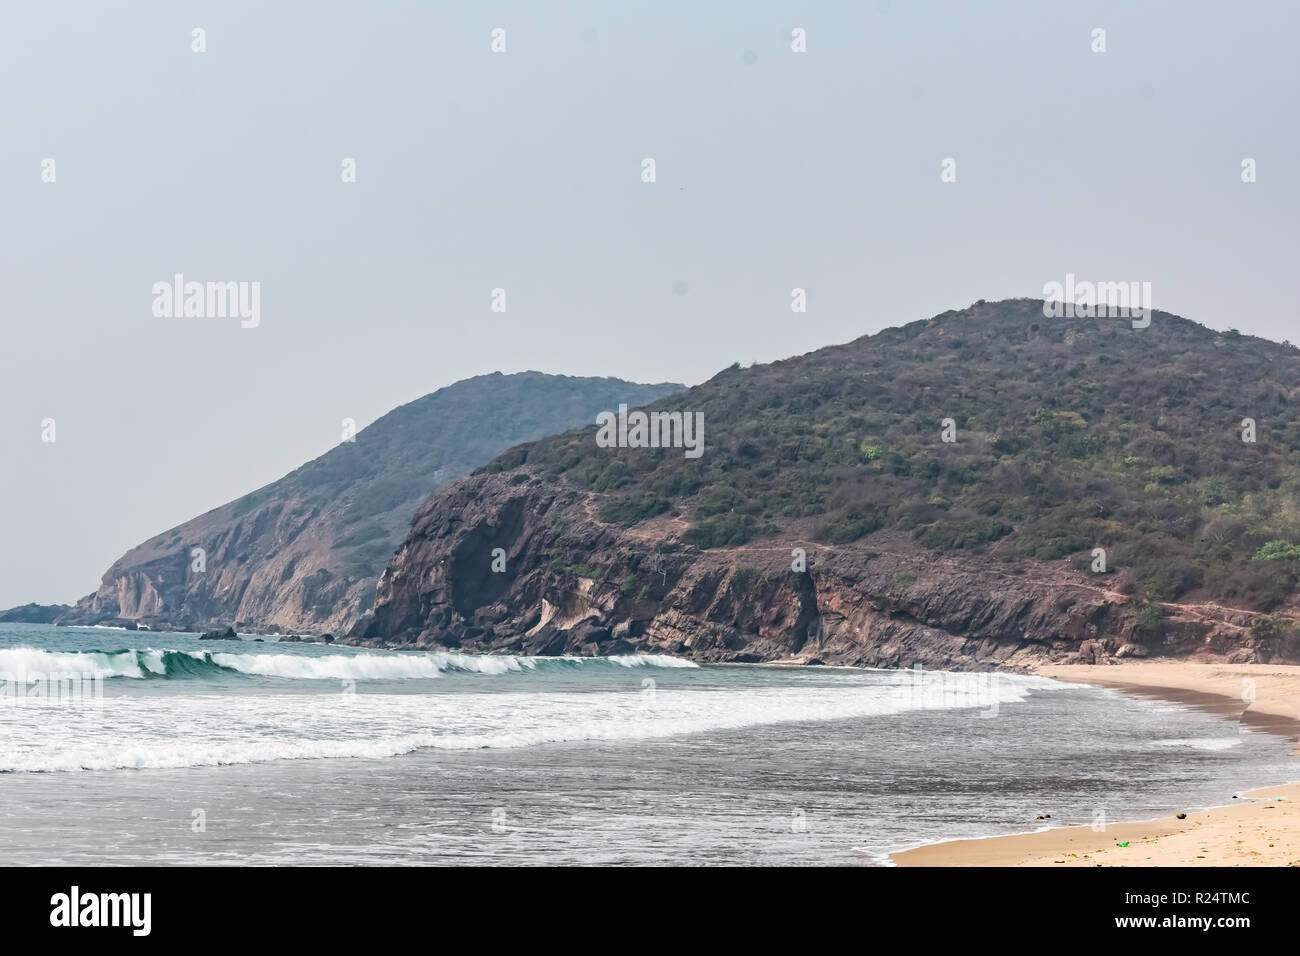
1258	829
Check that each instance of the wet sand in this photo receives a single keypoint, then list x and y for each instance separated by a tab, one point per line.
1257	830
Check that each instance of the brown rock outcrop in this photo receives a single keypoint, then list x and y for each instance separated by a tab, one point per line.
573	585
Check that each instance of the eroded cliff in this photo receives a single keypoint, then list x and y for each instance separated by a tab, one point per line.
573	585
303	553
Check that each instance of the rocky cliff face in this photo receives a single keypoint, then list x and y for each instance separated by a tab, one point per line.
831	519
573	585
303	554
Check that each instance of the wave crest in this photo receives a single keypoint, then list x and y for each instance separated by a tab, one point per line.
24	663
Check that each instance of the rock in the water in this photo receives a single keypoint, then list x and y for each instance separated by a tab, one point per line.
227	635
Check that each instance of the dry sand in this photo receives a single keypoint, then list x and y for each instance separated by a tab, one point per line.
1258	830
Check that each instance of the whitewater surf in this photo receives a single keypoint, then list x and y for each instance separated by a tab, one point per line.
740	762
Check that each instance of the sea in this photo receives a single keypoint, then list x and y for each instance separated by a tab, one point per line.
135	747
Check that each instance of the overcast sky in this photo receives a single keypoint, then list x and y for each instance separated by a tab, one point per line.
522	170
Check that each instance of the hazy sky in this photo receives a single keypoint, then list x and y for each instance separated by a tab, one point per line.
522	170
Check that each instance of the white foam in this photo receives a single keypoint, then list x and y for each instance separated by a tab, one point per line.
222	728
406	665
648	660
1200	743
19	661
333	667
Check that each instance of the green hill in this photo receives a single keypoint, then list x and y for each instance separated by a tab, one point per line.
1071	434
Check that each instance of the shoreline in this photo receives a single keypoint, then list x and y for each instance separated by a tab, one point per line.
1262	829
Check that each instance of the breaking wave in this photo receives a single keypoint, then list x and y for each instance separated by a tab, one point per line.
26	663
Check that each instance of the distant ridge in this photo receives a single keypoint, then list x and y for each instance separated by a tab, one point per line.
303	553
